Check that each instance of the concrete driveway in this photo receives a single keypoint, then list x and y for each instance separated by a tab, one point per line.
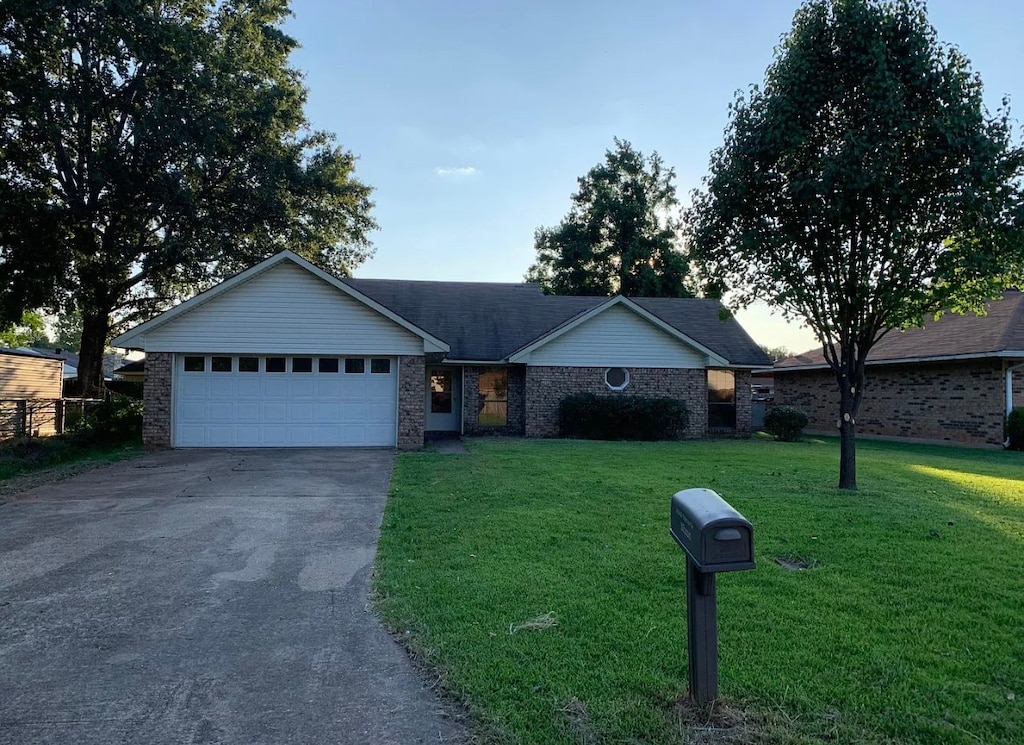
200	596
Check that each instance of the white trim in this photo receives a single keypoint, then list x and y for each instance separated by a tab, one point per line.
1010	369
135	338
1011	353
625	382
522	354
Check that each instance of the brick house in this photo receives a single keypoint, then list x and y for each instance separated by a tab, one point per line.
953	380
285	354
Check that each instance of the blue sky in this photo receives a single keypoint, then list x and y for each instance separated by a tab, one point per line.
473	120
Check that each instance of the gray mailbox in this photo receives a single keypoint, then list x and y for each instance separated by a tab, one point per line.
714	535
716	538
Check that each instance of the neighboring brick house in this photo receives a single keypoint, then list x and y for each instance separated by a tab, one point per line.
285	354
953	380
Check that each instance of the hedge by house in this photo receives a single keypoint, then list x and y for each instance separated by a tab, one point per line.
785	423
591	417
1015	429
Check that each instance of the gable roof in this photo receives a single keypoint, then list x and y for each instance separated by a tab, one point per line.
953	336
131	338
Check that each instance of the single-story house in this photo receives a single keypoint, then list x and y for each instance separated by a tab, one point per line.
953	380
285	354
131	372
30	392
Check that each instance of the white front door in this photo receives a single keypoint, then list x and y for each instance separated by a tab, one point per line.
284	401
444	398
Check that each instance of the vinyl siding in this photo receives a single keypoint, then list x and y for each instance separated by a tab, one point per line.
618	337
29	377
284	310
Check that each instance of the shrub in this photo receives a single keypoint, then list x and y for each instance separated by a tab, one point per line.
116	420
1015	429
592	417
785	423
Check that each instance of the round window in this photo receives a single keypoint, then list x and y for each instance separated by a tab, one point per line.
616	378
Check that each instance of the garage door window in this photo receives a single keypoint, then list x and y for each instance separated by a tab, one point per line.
302	364
380	366
328	364
355	365
221	364
275	364
195	364
248	364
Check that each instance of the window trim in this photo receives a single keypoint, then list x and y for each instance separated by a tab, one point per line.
625	383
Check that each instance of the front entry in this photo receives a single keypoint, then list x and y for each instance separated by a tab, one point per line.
444	398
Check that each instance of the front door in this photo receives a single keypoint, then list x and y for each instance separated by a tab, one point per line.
444	399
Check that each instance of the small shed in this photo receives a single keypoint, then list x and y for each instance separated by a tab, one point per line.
30	392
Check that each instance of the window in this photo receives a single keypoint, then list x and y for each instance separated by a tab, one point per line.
328	364
493	392
616	378
275	364
195	364
248	364
302	364
382	366
355	365
441	392
721	400
221	364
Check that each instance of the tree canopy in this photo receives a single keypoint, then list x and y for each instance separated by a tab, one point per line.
864	186
621	234
151	148
29	330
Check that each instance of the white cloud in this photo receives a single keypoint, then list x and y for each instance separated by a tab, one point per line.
456	173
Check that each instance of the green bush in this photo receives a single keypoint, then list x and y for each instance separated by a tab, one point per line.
591	417
785	423
116	420
1015	429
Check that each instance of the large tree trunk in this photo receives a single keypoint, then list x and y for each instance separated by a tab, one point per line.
849	402
95	327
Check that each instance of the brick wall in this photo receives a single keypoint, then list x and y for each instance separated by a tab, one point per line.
546	386
744	405
156	398
516	402
954	401
411	395
1018	387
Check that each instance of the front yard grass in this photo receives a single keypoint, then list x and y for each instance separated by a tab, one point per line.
53	458
539	579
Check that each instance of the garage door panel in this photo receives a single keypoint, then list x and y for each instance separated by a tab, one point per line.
260	409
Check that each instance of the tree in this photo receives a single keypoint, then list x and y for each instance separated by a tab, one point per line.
865	186
150	148
620	235
30	330
776	353
68	330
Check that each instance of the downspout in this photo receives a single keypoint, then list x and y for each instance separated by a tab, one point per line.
1009	392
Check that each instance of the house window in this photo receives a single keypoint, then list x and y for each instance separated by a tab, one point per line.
248	364
721	400
328	364
355	365
493	392
221	364
302	364
380	366
616	378
275	364
441	392
195	364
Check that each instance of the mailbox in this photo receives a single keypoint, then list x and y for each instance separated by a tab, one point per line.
714	535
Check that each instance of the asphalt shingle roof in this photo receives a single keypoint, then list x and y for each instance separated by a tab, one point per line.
1002	330
490	321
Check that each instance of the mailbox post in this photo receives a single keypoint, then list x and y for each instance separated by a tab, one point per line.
716	538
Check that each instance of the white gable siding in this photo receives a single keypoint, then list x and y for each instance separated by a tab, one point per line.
618	337
284	310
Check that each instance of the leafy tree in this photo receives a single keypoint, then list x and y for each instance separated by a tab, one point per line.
776	353
865	186
31	329
620	235
68	328
150	148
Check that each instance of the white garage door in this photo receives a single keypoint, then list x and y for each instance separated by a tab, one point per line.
284	401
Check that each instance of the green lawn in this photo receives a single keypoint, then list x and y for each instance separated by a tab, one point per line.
32	455
909	627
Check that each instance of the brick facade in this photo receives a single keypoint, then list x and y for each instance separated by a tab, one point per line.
156	397
547	386
744	404
516	402
951	401
412	391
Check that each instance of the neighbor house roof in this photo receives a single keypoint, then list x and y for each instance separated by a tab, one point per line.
1000	333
